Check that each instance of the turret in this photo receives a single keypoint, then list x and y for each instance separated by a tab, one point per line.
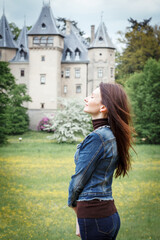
101	53
8	46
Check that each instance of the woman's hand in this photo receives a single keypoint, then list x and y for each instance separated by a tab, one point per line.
77	229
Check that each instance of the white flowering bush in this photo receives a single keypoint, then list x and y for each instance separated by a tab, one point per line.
70	122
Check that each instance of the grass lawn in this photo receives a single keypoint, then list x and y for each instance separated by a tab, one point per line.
34	179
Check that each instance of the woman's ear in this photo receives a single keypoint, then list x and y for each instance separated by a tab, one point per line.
103	109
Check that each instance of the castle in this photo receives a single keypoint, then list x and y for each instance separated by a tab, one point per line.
56	64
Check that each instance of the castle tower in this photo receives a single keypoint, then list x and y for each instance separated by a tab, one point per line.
45	54
8	46
19	65
101	54
74	64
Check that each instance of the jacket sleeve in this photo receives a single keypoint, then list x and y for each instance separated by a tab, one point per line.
91	151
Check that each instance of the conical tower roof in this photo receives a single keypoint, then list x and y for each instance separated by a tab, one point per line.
22	42
102	39
46	23
6	37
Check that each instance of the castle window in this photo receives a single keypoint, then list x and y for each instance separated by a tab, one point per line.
36	40
77	73
43	25
100	72
22	73
50	41
67	73
77	54
42	58
43	41
22	55
43	78
42	105
100	39
78	88
65	89
68	55
112	69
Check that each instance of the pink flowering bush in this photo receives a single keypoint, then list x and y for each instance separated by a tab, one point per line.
43	124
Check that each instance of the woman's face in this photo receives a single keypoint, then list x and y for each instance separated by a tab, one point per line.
93	104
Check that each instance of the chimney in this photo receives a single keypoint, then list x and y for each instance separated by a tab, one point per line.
68	27
92	33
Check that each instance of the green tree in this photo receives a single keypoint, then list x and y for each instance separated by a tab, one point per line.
142	41
18	119
16	30
144	89
12	97
6	83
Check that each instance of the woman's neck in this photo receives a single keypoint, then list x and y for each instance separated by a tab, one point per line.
99	122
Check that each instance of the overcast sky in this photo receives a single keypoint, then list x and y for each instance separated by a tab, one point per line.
85	12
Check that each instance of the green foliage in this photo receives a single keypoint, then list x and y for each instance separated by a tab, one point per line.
6	83
144	89
62	25
142	41
18	119
69	121
16	30
13	116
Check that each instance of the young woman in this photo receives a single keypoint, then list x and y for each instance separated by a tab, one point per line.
103	151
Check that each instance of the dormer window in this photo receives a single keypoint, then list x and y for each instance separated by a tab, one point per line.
22	55
77	54
100	39
68	55
43	25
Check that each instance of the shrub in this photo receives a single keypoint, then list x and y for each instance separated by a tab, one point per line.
70	121
45	122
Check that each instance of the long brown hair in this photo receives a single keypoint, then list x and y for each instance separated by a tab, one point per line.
116	101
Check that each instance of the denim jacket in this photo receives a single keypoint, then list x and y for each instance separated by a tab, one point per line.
96	159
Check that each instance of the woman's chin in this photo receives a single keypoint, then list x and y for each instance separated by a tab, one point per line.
85	110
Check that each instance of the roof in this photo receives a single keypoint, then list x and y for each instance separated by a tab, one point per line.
22	54
102	39
76	46
46	23
6	37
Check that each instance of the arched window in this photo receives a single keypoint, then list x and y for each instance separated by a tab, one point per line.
68	55
36	40
77	54
50	41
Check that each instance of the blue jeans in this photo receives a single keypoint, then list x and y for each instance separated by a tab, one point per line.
99	228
